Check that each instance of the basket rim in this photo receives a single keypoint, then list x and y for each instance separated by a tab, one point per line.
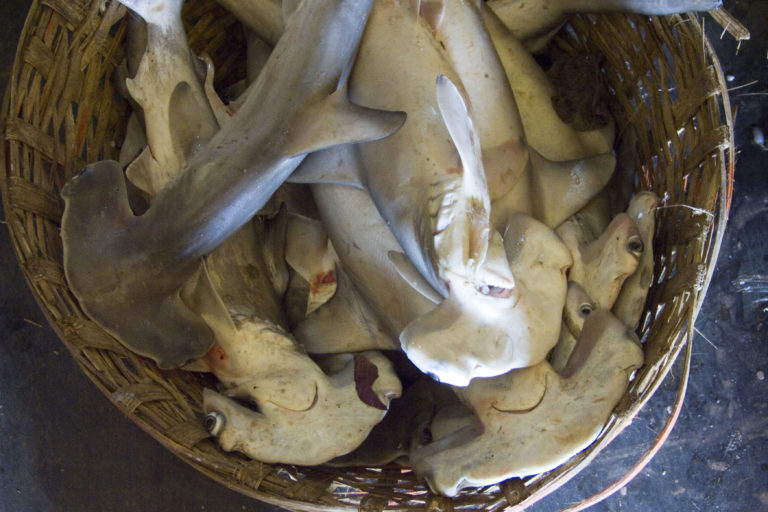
187	454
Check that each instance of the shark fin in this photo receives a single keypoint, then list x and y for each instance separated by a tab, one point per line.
457	119
432	12
309	254
343	324
273	250
199	294
334	166
222	112
412	276
471	212
334	121
561	189
143	172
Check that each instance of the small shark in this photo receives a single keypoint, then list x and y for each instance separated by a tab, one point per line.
127	270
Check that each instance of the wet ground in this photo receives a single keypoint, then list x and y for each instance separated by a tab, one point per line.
64	447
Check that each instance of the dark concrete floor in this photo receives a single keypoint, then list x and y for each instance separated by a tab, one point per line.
64	447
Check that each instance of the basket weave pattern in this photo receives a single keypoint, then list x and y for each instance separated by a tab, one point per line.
62	112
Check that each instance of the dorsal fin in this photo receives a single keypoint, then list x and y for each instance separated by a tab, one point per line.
334	121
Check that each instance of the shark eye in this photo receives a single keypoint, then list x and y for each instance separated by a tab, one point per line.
635	245
585	309
214	422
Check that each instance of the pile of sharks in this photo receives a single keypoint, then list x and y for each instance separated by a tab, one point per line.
386	245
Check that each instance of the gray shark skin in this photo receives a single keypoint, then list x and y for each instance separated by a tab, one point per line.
127	271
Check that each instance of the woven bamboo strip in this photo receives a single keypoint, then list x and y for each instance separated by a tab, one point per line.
62	111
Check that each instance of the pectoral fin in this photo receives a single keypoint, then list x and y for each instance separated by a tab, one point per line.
467	219
334	121
273	250
343	324
199	294
222	112
412	276
333	166
142	172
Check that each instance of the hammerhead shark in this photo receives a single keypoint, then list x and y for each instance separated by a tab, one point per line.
128	271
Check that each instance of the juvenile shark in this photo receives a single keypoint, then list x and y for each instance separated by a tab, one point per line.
364	243
429	184
534	419
127	270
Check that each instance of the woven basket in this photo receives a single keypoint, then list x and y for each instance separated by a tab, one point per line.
62	111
